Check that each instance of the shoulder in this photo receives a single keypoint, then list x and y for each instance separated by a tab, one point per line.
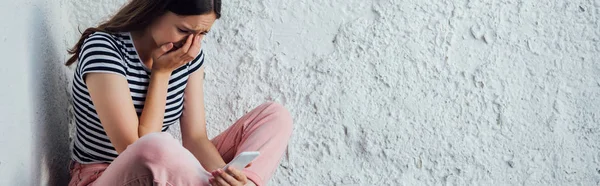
101	39
100	52
102	43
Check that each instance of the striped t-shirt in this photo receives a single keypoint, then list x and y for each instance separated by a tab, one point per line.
115	53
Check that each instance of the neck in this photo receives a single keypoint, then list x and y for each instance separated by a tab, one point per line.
144	45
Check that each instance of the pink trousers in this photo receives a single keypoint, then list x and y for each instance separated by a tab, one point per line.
159	159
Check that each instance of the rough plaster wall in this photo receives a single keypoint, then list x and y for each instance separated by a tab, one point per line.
34	98
416	92
50	81
15	105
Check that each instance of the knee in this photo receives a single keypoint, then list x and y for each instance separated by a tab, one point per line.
282	119
155	147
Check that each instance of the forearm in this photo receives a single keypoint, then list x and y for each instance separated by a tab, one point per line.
153	113
206	153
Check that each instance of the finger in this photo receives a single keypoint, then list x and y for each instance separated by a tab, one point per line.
186	46
236	174
249	164
195	48
212	182
217	176
227	177
162	50
220	181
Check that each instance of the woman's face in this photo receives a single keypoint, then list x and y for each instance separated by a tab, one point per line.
173	28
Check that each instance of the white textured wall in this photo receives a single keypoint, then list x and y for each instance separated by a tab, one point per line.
15	104
34	96
415	92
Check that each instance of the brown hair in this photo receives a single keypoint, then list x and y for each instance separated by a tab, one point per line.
135	15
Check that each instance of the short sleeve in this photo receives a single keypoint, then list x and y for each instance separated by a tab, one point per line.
196	63
99	54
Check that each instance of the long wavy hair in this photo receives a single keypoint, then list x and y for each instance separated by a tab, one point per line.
138	15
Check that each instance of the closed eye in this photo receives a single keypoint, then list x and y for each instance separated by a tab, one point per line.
188	31
182	31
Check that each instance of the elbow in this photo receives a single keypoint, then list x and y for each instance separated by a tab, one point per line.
124	144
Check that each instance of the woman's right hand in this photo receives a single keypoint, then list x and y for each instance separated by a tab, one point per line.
166	62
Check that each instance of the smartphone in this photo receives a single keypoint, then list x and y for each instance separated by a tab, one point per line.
242	159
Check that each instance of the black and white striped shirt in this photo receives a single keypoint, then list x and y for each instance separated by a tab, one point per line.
115	53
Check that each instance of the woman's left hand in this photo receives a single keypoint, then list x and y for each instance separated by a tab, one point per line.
229	177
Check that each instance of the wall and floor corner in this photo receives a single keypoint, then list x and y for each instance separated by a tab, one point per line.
387	92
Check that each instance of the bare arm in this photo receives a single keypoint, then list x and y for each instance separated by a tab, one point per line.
113	103
153	113
114	106
193	124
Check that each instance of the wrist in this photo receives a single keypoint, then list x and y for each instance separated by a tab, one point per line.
162	74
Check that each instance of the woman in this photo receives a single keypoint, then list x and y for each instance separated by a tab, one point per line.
140	72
